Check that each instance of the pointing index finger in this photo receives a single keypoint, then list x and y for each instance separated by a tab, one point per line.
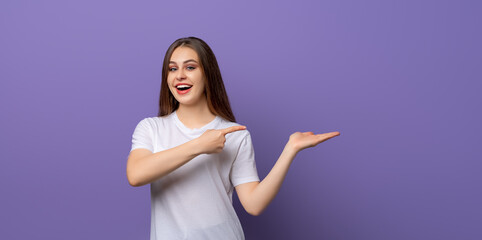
232	129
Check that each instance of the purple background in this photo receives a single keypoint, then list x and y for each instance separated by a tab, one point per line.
401	81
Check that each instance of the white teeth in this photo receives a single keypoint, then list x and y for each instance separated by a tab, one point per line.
183	86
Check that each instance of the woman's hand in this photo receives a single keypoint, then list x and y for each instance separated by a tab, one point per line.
212	140
299	141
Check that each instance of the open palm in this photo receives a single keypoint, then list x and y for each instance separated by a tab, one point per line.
302	140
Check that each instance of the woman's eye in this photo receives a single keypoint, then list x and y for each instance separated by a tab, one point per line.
172	69
191	68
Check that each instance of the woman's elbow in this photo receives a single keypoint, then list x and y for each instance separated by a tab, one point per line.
133	181
134	184
254	212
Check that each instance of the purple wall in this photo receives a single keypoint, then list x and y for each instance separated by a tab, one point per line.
400	80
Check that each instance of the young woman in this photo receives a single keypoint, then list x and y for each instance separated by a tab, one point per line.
194	154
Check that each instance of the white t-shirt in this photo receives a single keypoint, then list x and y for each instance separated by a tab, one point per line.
195	200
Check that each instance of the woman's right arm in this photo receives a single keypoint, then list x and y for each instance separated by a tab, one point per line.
144	167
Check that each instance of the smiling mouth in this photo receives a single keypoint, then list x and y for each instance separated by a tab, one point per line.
181	88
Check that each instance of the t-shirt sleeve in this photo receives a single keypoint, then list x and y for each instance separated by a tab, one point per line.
244	166
142	137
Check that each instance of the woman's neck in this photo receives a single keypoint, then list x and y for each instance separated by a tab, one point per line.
195	116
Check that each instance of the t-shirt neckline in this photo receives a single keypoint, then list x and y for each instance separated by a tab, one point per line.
183	127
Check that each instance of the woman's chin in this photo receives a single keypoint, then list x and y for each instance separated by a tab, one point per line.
186	102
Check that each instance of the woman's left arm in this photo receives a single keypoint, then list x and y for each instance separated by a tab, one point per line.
256	196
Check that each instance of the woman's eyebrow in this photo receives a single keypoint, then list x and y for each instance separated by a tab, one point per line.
189	60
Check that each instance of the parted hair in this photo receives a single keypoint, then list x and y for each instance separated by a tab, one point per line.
215	92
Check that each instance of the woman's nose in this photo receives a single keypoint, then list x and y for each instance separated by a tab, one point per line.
180	74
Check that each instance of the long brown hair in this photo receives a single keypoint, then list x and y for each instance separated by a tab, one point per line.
215	92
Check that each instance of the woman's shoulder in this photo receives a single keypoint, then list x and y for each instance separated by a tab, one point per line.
225	124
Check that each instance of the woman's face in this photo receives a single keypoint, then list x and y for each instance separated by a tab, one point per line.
186	79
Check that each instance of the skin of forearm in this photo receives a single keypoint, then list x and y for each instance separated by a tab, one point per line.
152	167
266	190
